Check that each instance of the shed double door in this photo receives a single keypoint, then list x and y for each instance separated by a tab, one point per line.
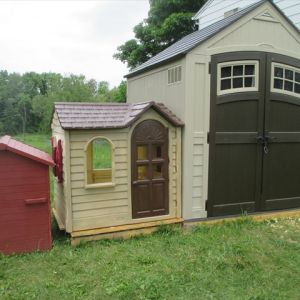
254	139
150	165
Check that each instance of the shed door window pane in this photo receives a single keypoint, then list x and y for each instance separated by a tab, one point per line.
289	74
249	70
237	82
238	76
278	72
237	70
249	82
286	79
288	86
225	84
278	84
225	72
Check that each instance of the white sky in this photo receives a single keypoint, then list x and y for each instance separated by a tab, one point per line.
66	37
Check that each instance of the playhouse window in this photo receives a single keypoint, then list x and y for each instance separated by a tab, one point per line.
239	76
285	79
99	161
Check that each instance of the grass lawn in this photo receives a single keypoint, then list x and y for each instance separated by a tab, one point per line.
238	260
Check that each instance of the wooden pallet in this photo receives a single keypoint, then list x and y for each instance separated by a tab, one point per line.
123	231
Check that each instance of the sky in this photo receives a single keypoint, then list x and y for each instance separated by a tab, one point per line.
68	37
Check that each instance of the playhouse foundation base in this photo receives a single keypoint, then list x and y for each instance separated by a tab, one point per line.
123	231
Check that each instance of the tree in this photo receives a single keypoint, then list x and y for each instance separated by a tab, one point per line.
167	22
26	101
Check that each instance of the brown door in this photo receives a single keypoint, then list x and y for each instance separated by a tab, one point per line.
281	163
150	175
254	162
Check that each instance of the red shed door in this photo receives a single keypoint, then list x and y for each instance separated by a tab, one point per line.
24	205
150	176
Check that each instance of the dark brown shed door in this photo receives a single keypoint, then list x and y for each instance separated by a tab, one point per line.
150	164
254	140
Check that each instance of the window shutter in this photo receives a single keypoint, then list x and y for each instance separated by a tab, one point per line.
54	148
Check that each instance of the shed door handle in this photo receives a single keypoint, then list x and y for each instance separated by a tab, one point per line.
35	201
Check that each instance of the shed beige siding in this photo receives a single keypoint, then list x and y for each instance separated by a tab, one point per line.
153	86
111	206
251	33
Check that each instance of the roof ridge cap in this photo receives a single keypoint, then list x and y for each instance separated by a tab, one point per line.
91	103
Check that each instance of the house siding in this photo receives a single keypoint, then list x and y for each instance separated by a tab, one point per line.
216	9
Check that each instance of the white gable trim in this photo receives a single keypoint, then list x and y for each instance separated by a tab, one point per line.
202	9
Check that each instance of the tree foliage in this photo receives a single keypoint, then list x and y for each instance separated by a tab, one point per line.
167	22
26	101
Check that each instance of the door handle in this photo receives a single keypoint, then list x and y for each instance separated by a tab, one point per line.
260	139
263	140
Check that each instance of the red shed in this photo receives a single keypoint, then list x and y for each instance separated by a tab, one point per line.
25	223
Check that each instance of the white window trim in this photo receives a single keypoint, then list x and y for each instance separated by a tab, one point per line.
283	91
238	90
104	184
175	82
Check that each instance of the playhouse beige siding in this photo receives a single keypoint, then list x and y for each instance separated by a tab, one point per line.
111	206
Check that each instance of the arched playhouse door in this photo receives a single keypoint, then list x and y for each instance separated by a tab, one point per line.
150	170
254	137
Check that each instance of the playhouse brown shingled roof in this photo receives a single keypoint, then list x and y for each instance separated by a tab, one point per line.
81	115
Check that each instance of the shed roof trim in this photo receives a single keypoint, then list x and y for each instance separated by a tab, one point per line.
80	115
12	145
189	42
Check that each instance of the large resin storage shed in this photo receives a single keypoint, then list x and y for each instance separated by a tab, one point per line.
236	86
121	167
24	198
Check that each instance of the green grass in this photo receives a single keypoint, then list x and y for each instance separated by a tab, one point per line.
238	260
40	141
101	154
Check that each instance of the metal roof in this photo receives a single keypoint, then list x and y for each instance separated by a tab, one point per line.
12	145
193	40
81	115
